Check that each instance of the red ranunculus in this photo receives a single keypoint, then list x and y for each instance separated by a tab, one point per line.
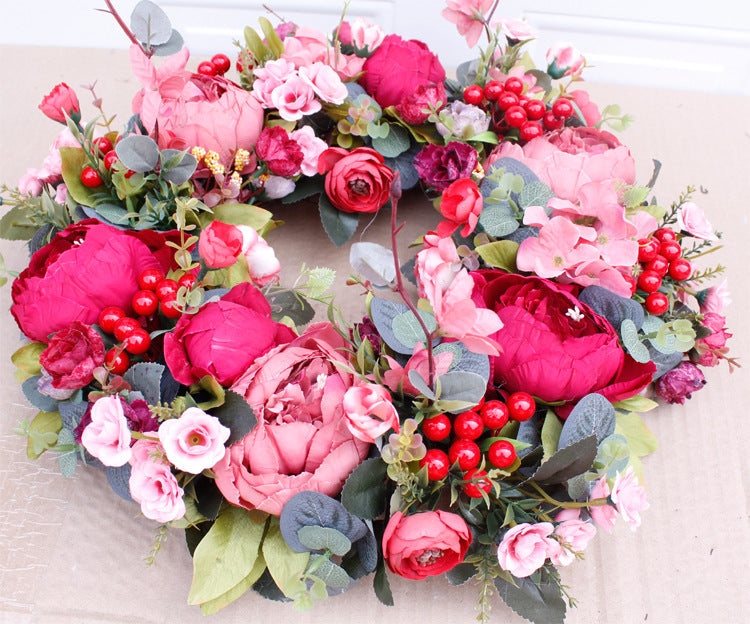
552	345
357	181
302	441
282	154
397	68
72	355
425	544
61	101
224	337
220	244
84	269
460	205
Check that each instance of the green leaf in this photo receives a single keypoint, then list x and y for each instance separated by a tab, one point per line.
592	415
213	388
461	573
226	555
567	462
395	143
43	433
237	415
535	194
484	137
409	332
16	224
551	430
255	44
73	162
319	281
145	377
212	606
272	39
239	214
497	220
381	585
322	538
304	188
27	358
635	196
461	386
364	493
67	460
285	565
637	403
331	574
539	602
640	439
500	254
290	304
338	225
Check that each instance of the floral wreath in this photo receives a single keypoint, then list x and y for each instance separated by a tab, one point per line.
482	429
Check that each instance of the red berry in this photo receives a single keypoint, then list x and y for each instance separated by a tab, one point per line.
648	248
167	289
206	68
657	303
437	464
468	425
436	428
552	122
150	278
670	249
117	361
663	234
514	85
90	177
531	130
188	280
137	342
495	414
466	453
521	406
145	302
473	94
103	145
535	109
109	316
649	281
124	327
506	100
110	159
515	116
221	63
680	269
480	484
170	309
492	90
502	454
562	108
659	265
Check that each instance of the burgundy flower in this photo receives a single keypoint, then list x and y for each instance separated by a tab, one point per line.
72	355
679	384
282	154
440	165
416	107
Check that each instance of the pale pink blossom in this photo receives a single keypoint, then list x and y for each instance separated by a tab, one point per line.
525	548
325	82
598	273
277	187
361	34
369	411
312	148
716	299
603	515
107	436
294	99
397	377
573	534
563	59
692	220
261	258
194	441
629	497
269	77
61	194
514	30
468	16
152	484
306	47
31	183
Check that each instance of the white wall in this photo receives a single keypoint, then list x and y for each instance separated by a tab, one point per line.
669	43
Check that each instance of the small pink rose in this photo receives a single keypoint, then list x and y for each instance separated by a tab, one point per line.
629	497
152	484
107	437
369	411
194	441
574	535
525	548
273	74
603	515
312	148
61	101
325	82
693	220
220	244
294	99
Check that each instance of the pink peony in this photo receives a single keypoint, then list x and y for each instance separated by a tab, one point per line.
679	384
369	411
468	16
224	337
603	515
153	485
107	436
61	101
583	140
194	441
425	544
72	355
629	497
309	46
525	548
220	244
301	441
691	219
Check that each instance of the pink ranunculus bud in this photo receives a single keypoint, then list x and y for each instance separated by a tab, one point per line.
261	259
679	384
107	437
461	205
194	441
61	101
369	411
220	244
525	548
362	35
564	60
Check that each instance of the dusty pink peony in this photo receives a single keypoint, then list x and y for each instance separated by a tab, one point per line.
369	411
194	441
107	437
716	298
220	244
61	101
301	441
152	484
525	548
629	497
468	16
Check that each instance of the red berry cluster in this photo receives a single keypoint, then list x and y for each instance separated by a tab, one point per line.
463	451
157	293
217	66
660	255
512	111
103	149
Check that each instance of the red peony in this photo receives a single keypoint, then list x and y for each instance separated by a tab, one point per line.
397	68
357	181
224	338
72	355
546	351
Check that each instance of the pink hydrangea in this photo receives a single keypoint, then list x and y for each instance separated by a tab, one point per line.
152	484
107	437
629	497
194	441
369	411
525	548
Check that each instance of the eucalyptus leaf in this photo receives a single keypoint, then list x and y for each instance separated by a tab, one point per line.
611	306
462	386
395	143
420	384
172	46
373	262
182	170
383	312
409	332
331	574
138	152
498	220
145	377
592	415
37	399
535	193
339	225
150	24
119	480
404	164
72	413
629	335
324	538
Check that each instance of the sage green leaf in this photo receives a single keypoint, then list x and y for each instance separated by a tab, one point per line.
150	24
285	565
16	224
226	555
238	214
272	39
500	254
395	143
331	574
497	220
324	538
409	332
43	433
212	606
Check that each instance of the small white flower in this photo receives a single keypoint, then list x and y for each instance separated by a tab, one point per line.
575	314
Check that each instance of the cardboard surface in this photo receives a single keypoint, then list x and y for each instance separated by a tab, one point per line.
72	551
